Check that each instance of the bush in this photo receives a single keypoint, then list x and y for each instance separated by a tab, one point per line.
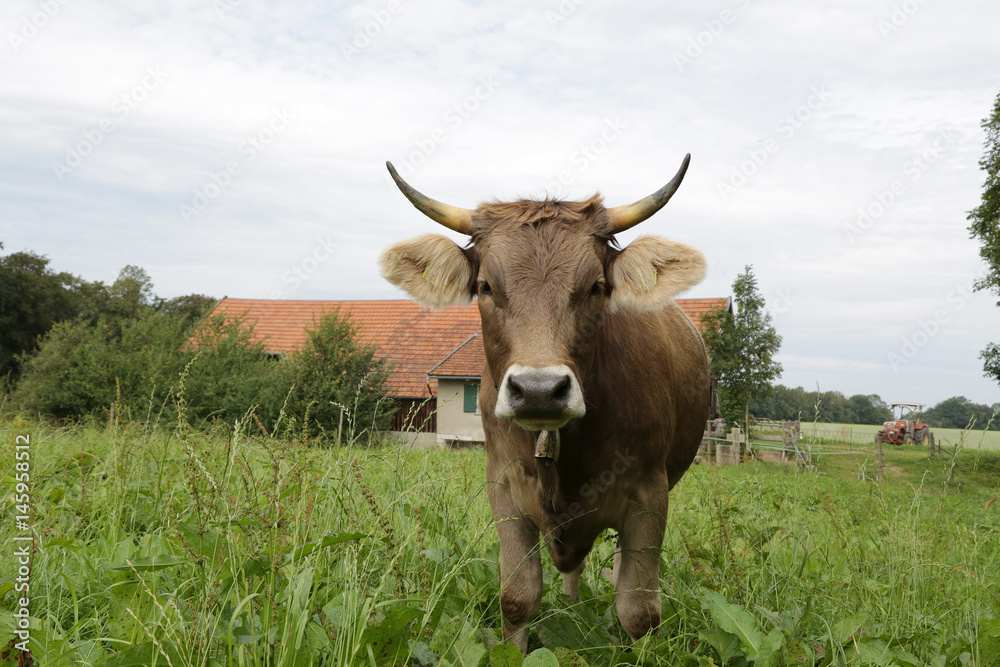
333	371
139	365
230	374
83	368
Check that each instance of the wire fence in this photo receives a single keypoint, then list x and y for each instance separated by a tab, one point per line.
784	441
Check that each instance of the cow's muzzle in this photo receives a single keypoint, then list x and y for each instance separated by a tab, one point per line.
540	399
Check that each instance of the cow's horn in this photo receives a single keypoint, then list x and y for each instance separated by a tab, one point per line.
630	215
454	218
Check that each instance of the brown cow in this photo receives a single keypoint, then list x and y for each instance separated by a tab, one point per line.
596	386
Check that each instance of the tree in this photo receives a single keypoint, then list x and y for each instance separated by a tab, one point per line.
985	226
82	368
32	299
868	409
191	307
959	412
333	371
741	350
131	293
232	374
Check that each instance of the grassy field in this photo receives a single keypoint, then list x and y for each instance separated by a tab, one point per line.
173	547
865	434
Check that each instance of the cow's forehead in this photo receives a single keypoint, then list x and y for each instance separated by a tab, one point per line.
547	251
588	217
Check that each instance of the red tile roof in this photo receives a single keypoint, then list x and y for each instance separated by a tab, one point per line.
465	362
695	309
421	343
412	338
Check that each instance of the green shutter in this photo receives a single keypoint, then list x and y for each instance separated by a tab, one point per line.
471	390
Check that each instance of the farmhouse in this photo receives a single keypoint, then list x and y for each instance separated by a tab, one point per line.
436	354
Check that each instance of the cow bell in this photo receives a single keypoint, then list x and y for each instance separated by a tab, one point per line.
547	446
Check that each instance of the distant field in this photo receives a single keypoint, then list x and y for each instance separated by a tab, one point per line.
865	433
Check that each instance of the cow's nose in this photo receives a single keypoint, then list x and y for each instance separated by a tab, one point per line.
540	399
534	394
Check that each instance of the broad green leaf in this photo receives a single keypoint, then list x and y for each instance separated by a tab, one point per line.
561	629
72	545
425	656
989	641
692	660
569	658
845	629
737	621
208	544
506	655
388	639
726	644
542	657
5	588
770	653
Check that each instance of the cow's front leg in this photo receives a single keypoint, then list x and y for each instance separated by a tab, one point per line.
571	582
637	560
520	567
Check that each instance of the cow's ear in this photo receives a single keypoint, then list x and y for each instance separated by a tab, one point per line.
650	271
430	268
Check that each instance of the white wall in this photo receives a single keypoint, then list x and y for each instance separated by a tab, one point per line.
453	423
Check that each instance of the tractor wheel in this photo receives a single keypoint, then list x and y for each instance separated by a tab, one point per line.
920	436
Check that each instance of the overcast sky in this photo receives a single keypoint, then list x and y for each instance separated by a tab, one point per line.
237	148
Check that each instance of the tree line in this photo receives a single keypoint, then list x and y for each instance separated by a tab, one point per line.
788	403
70	349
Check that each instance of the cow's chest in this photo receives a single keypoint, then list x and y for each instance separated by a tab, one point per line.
591	498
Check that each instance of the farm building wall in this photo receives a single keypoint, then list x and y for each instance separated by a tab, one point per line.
458	417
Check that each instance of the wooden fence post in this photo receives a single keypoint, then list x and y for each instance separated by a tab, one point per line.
340	426
880	460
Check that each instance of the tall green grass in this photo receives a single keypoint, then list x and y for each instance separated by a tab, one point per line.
168	546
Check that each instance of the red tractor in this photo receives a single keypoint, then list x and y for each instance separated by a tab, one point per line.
907	429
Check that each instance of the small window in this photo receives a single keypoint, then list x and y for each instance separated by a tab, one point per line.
471	403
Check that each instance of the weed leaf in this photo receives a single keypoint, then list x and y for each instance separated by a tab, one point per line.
506	655
737	621
542	657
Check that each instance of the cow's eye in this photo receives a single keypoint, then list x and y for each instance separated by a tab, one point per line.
485	289
597	288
